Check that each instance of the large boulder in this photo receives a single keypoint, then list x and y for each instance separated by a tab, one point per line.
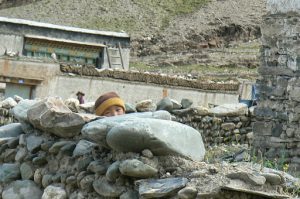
160	136
52	115
98	129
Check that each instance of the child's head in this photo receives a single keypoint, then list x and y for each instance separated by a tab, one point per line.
109	104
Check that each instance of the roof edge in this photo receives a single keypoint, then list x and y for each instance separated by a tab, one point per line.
65	28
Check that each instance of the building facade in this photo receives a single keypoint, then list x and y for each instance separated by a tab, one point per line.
30	43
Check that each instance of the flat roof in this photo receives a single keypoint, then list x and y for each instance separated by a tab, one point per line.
60	27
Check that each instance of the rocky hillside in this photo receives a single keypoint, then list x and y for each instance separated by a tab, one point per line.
163	33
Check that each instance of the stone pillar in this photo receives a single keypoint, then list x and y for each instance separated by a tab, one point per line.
277	130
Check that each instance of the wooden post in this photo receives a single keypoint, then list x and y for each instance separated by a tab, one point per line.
121	55
108	57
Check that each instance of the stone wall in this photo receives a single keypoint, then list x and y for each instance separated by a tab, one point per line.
56	153
277	131
219	129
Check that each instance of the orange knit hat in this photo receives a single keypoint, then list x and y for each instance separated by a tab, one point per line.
107	100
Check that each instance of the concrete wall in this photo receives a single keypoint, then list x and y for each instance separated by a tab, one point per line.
28	69
132	92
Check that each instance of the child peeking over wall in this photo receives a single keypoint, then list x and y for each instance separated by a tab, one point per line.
109	104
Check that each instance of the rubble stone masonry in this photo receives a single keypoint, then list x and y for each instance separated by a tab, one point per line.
276	131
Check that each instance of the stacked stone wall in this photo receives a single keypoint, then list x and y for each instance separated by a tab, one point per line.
277	131
218	130
56	153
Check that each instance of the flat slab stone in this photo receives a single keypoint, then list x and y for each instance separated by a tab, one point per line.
229	110
98	129
157	188
159	136
235	185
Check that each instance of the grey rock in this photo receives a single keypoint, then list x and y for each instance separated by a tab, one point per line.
8	103
47	145
186	103
52	115
83	147
136	168
71	180
98	167
18	98
13	143
160	188
40	160
147	153
145	106
228	126
22	140
83	163
34	143
229	110
22	189
21	153
256	180
27	171
176	104
68	149
188	193
86	183
55	148
97	130
72	104
20	110
160	136
165	104
46	180
273	178
106	189
11	130
130	194
129	108
54	192
38	176
88	107
9	172
113	172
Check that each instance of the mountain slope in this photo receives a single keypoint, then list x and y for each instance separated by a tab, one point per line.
164	33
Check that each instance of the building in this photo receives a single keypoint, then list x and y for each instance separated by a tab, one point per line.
30	52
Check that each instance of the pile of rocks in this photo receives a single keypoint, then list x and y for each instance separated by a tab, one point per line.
55	153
